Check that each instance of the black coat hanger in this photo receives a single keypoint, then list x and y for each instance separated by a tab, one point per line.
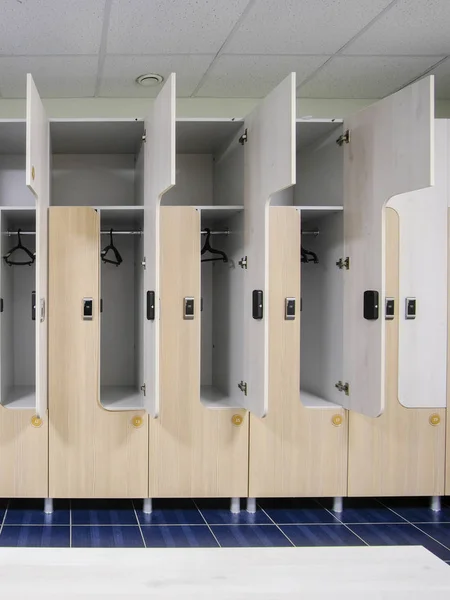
207	248
118	259
306	254
19	246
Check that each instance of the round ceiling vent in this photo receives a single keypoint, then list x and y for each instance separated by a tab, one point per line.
149	79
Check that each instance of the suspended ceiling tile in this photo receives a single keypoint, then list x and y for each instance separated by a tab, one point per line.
364	77
442	75
171	26
30	27
254	76
55	76
120	72
410	27
306	27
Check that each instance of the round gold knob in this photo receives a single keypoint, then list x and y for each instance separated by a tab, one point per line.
434	419
36	421
337	420
237	420
137	422
33	173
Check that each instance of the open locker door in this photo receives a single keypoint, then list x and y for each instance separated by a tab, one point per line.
388	150
159	176
269	168
38	180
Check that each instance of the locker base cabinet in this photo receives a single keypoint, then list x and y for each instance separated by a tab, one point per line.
400	453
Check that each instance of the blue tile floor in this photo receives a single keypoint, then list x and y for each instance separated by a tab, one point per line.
209	523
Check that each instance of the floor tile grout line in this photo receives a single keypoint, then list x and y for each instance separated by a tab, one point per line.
207	524
139	524
269	517
4	516
342	523
418	528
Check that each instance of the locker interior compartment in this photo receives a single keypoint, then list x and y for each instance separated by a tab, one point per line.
97	163
17	327
321	316
122	311
319	196
210	176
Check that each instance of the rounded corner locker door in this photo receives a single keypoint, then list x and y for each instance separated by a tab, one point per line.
393	450
93	452
294	451
24	432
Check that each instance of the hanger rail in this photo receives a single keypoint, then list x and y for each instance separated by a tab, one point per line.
106	232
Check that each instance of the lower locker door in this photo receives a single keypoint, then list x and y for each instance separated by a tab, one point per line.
194	451
402	452
93	453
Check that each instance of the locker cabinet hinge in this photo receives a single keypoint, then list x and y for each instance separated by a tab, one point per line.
144	389
343	387
344	263
243	262
344	138
144	136
144	263
244	138
243	387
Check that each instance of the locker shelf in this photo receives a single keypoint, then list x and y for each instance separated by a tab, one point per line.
312	401
212	397
311	213
21	397
118	398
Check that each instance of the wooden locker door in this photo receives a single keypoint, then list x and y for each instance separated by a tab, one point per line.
269	168
294	450
159	177
93	453
38	180
194	451
390	152
401	453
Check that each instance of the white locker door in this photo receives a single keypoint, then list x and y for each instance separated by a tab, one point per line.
269	168
390	152
38	180
422	353
159	176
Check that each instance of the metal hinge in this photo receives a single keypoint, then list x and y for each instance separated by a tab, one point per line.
144	136
243	262
343	387
344	138
243	387
144	389
144	263
344	263
243	138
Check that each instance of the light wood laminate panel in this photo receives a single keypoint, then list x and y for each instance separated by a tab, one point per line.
390	152
194	451
94	453
399	453
24	455
294	450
